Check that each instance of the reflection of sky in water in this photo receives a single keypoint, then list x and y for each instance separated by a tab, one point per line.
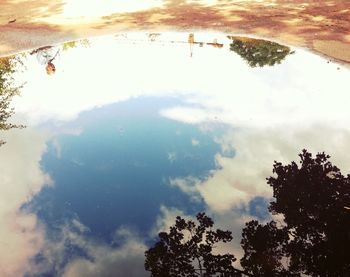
117	170
130	135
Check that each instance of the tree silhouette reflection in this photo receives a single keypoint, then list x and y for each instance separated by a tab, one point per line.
311	239
314	238
187	251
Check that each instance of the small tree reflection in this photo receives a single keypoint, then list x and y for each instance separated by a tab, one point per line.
258	52
74	43
8	89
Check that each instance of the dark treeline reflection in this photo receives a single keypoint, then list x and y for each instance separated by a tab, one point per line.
259	52
312	238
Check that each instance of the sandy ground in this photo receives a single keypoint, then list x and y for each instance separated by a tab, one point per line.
322	26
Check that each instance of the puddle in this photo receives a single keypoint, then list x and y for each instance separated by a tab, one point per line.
123	133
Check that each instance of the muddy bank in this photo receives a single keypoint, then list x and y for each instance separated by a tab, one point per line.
323	27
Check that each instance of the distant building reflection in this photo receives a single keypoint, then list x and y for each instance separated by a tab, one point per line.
156	37
192	41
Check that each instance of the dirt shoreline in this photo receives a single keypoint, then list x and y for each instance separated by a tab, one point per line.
323	27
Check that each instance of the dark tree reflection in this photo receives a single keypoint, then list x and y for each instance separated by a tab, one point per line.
258	52
314	239
310	238
8	89
187	251
264	249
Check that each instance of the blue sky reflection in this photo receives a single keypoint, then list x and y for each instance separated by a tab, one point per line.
117	170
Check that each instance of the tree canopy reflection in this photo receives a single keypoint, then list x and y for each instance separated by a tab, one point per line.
259	52
187	251
314	201
312	239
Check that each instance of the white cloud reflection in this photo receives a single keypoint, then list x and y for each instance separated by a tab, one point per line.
21	178
105	261
243	177
216	80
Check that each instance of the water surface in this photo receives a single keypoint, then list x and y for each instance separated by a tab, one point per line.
126	132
